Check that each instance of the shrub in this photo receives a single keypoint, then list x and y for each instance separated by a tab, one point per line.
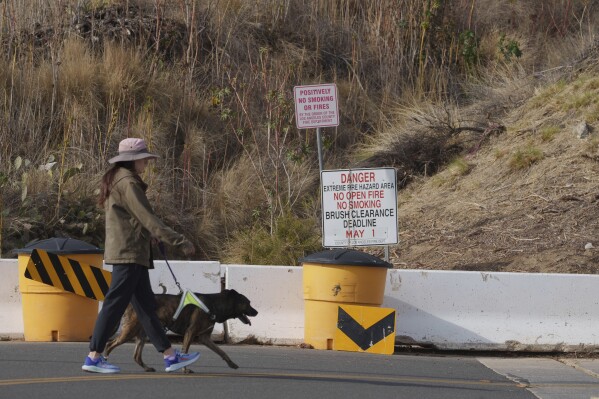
524	158
549	132
469	46
457	167
509	48
292	238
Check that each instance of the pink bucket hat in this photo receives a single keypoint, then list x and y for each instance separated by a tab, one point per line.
132	149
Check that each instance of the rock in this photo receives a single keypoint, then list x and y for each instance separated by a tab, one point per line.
582	130
588	245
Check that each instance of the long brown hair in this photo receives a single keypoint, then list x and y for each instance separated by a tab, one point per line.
108	178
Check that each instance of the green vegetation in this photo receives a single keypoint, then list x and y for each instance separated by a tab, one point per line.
524	158
457	168
548	133
509	48
292	239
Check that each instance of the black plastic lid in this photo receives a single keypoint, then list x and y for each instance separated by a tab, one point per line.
344	256
60	246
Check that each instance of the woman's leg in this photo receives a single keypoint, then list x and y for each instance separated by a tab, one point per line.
125	279
144	304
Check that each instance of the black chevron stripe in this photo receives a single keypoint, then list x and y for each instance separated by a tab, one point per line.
71	275
365	337
41	269
85	284
100	279
62	275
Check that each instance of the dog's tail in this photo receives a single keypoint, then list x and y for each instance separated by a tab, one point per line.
163	288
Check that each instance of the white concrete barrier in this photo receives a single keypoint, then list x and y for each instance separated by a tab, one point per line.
276	293
444	309
11	310
495	311
204	277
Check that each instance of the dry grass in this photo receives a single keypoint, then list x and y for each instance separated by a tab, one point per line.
209	85
534	215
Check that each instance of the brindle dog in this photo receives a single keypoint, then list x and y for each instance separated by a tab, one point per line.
191	323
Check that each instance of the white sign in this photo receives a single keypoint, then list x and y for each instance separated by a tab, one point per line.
316	106
359	207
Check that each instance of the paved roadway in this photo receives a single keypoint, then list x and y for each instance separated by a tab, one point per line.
53	370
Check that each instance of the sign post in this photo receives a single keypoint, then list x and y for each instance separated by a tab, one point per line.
315	107
359	207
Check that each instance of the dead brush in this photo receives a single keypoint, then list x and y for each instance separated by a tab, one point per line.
211	82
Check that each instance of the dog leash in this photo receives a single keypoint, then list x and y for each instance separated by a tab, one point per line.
163	253
187	297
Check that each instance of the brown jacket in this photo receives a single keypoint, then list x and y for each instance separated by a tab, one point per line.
131	223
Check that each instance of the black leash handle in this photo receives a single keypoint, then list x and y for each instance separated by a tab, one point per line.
163	253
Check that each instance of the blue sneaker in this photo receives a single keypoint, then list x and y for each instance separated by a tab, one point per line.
99	365
180	360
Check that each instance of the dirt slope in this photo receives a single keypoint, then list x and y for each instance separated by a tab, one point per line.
498	215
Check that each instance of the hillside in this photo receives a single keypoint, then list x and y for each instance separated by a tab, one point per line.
478	104
525	202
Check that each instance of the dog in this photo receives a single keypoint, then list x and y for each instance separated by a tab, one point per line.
192	322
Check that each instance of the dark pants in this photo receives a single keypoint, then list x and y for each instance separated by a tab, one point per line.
130	284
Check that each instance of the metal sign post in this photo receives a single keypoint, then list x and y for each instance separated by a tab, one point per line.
316	107
359	207
319	146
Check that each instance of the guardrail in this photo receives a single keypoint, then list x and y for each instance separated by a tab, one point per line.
451	310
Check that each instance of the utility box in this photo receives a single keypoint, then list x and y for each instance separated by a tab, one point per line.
338	277
51	314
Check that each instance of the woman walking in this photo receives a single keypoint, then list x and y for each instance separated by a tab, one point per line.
131	225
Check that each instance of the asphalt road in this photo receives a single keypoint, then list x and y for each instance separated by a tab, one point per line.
53	370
